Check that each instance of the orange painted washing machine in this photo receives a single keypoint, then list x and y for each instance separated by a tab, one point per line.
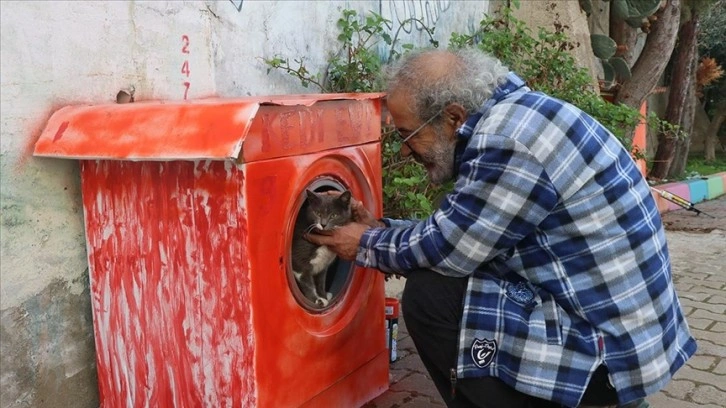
189	210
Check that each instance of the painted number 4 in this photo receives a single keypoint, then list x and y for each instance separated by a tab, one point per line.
185	65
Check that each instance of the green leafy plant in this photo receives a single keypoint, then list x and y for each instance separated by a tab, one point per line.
405	184
698	166
356	67
544	62
636	14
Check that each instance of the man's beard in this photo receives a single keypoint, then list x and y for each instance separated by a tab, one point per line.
438	161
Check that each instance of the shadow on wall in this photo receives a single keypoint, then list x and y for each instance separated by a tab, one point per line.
47	351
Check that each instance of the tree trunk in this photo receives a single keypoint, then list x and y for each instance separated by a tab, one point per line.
681	79
654	58
625	37
683	146
680	158
711	137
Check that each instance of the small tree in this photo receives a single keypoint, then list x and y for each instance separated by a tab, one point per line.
635	76
356	67
544	61
712	82
681	98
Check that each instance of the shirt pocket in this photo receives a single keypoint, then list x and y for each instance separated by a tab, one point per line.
539	308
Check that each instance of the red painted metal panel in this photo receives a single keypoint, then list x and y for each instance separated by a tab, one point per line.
333	345
148	131
169	281
193	298
282	131
210	128
310	99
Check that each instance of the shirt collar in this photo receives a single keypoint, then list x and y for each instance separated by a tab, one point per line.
464	132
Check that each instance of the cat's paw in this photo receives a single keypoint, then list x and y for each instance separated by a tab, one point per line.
328	295
321	302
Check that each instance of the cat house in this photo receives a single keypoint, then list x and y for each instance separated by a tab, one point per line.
189	211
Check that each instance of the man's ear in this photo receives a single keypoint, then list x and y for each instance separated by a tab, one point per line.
455	115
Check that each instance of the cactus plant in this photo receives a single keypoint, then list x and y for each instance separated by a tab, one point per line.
635	13
627	9
635	22
586	6
622	71
608	74
603	46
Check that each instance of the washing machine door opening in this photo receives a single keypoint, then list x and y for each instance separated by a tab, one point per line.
317	278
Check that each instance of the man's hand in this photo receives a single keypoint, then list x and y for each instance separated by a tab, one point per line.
363	216
344	240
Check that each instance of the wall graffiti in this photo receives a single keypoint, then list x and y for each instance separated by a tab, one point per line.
427	11
185	71
237	4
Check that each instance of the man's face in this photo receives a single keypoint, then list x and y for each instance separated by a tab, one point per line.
433	143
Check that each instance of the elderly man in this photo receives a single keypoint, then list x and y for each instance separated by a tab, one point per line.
544	277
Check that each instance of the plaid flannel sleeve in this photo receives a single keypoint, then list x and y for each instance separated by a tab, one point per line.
501	195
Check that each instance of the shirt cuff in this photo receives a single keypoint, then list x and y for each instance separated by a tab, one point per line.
394	223
366	256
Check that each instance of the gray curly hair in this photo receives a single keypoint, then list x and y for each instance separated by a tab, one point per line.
469	80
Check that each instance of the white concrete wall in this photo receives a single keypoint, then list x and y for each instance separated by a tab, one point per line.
539	14
58	53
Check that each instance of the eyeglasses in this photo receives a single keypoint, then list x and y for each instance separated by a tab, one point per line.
418	129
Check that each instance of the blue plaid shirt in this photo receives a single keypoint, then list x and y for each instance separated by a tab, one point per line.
564	248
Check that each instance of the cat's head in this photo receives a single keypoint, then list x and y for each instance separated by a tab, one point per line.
327	211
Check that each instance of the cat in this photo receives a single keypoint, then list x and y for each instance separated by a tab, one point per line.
310	262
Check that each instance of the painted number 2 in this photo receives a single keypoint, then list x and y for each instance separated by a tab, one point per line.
185	44
185	65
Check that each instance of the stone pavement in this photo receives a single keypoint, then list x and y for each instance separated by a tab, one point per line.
698	251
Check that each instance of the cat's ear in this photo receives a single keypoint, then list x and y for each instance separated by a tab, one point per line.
345	198
312	196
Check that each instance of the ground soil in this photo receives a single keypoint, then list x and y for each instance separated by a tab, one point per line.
684	220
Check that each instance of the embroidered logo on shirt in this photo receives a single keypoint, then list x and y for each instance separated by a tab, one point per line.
483	352
520	292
